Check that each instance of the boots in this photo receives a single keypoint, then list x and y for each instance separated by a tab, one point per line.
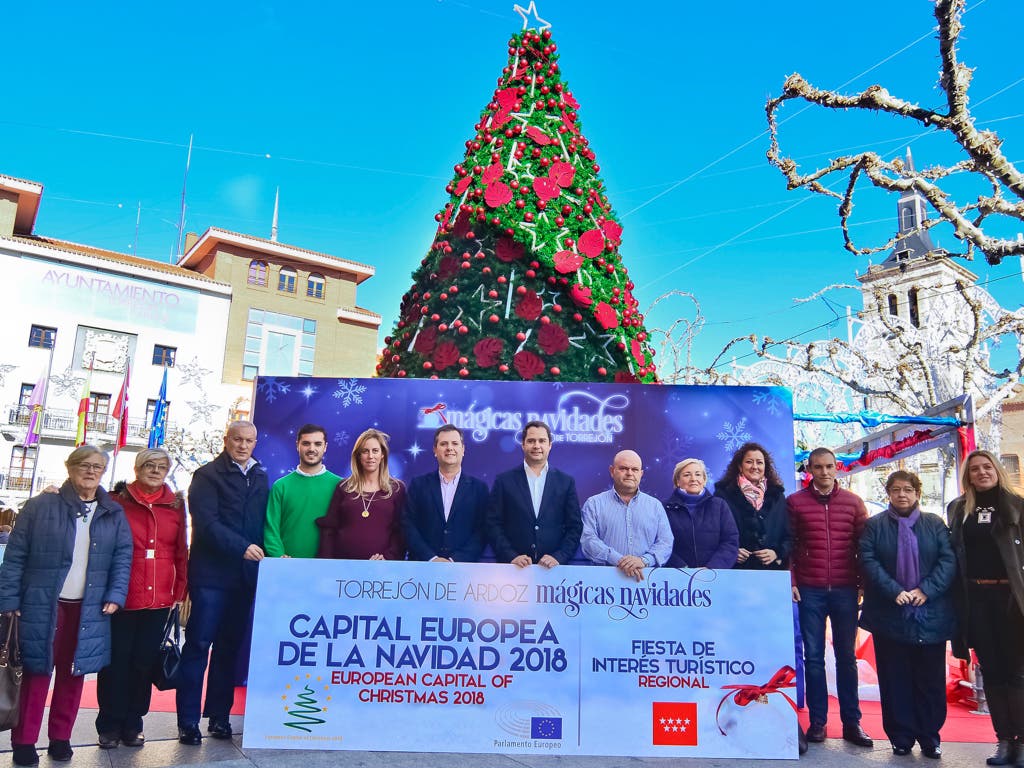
1005	754
1015	701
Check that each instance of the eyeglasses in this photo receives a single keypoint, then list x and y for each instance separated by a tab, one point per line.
149	466
91	467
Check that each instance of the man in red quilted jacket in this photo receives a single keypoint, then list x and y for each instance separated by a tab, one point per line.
826	522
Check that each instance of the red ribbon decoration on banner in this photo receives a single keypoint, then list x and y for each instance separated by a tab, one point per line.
887	451
438	410
744	694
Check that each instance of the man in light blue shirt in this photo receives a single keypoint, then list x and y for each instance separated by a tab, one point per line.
624	526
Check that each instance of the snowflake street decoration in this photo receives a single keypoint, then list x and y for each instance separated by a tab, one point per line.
193	373
350	392
4	370
271	388
67	383
733	435
202	410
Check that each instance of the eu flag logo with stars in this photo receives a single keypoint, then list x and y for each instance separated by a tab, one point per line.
545	727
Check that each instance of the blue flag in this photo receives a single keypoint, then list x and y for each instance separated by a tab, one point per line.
545	728
158	428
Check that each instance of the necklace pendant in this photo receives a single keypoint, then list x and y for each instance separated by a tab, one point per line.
366	513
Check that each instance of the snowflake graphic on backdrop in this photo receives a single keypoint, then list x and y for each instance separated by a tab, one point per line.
193	373
308	391
769	401
202	410
4	370
67	383
350	392
341	438
675	448
733	435
271	388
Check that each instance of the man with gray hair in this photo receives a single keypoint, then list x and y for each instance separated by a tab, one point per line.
624	526
228	504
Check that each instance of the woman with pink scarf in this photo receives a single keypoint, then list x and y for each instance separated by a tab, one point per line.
755	494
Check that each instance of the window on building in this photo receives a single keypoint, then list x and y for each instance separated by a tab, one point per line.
315	286
286	280
1011	463
99	411
42	337
894	307
164	355
22	412
908	218
915	314
23	462
151	409
257	273
278	345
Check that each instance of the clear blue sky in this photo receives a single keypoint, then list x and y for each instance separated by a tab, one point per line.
359	111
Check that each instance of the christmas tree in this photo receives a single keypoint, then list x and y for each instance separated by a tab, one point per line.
524	279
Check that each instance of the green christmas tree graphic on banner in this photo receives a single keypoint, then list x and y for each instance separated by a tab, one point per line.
302	712
524	280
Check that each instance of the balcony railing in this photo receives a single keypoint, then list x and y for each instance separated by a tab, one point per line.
64	423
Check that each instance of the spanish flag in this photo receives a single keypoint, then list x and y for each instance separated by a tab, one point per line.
83	408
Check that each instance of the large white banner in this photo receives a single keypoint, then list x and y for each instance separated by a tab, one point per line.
430	657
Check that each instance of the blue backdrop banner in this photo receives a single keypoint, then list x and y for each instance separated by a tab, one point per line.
590	422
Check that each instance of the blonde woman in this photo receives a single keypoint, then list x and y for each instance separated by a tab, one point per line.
364	519
986	525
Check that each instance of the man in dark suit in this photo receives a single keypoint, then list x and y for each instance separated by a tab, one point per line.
534	514
228	503
445	511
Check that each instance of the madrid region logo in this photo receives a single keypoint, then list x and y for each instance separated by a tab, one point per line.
530	720
304	701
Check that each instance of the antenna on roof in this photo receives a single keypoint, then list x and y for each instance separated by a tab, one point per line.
184	187
273	225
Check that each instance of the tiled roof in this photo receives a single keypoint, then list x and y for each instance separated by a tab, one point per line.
114	256
214	234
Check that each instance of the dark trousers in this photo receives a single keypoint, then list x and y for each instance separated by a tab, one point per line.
219	619
996	632
124	689
839	606
67	688
912	684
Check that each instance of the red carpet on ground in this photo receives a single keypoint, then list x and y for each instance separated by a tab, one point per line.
163	701
960	726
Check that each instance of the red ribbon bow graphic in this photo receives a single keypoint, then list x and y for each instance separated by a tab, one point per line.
438	410
744	694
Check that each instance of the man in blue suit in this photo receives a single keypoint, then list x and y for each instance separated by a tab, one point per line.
534	514
445	511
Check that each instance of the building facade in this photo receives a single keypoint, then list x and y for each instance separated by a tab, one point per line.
293	311
235	307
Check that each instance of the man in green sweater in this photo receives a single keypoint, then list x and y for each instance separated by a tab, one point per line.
299	498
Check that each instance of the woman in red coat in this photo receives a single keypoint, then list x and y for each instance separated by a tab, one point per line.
158	578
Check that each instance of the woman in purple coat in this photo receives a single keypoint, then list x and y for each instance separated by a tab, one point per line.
703	525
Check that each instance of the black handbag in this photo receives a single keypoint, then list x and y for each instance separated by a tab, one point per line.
10	671
166	667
